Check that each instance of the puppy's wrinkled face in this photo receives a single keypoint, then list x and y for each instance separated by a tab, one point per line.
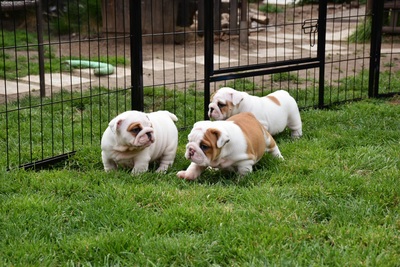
134	131
219	109
222	103
205	144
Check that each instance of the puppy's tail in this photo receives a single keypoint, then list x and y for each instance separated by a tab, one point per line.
171	115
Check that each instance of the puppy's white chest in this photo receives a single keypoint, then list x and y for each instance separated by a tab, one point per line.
119	156
222	163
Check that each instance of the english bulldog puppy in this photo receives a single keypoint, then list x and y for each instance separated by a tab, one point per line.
275	111
134	139
235	144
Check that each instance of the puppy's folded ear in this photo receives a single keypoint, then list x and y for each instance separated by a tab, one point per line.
115	124
222	137
236	97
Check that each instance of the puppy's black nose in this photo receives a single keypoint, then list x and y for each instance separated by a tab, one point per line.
211	109
148	135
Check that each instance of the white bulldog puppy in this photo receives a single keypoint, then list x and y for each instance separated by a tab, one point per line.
235	144
134	139
275	111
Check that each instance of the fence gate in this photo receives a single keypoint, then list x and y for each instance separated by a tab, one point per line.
277	46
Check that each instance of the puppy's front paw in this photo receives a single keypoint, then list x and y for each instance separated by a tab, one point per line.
186	175
109	165
164	167
136	171
140	166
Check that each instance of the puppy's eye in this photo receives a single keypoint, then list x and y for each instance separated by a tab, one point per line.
221	105
204	147
135	130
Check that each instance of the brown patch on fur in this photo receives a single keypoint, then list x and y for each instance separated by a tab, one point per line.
133	126
253	131
227	109
210	140
274	99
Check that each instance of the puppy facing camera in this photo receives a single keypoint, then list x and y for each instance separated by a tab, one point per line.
235	145
134	139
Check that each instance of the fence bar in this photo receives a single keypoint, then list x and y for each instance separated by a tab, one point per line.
39	25
208	52
322	13
286	68
46	163
375	53
262	66
137	94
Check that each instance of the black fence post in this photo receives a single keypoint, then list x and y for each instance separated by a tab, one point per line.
137	95
375	52
39	26
322	13
208	52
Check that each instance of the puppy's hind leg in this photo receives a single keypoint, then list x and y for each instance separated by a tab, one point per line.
275	152
272	147
295	125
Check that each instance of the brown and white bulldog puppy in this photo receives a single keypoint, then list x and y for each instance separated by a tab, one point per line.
275	111
235	144
134	139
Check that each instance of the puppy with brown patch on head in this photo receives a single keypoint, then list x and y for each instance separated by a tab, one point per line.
275	111
134	139
235	144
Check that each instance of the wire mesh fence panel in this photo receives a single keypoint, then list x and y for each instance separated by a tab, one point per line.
63	79
68	67
347	53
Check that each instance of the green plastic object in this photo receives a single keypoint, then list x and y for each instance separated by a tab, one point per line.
99	67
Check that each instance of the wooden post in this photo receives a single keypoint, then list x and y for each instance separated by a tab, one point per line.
244	27
217	16
233	17
369	7
159	16
115	16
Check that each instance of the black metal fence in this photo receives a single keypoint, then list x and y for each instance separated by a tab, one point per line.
68	67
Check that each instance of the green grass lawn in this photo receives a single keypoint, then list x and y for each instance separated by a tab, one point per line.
333	201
